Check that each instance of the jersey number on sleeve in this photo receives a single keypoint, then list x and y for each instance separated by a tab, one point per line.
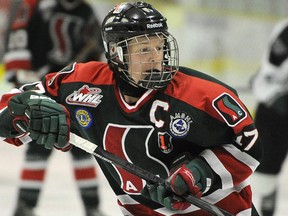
247	139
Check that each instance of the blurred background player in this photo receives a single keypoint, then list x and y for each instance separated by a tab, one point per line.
45	36
270	89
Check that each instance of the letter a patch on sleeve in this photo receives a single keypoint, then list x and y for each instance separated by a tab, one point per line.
229	109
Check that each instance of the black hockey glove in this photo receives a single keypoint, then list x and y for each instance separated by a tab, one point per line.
190	176
47	121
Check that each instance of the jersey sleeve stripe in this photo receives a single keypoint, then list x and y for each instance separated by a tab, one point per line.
219	195
219	168
242	156
234	171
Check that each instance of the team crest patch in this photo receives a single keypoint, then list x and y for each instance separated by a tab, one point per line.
85	96
229	109
180	124
165	142
84	117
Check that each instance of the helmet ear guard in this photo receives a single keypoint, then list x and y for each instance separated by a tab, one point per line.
127	22
115	55
115	51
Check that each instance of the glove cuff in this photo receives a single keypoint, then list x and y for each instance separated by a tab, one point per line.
205	171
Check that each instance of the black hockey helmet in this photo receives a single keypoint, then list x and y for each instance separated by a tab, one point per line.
131	21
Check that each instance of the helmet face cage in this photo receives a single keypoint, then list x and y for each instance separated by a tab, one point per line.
148	61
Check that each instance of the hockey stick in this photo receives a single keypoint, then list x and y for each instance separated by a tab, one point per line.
138	171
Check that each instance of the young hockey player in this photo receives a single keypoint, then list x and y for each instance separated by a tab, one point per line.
178	123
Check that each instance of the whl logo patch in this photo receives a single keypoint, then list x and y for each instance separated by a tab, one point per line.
85	96
229	109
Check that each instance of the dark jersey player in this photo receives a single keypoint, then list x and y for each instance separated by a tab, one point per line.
47	35
178	123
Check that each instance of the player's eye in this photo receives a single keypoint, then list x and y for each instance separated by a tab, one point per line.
149	49
160	48
145	50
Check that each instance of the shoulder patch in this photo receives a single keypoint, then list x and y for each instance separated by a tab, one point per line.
229	109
